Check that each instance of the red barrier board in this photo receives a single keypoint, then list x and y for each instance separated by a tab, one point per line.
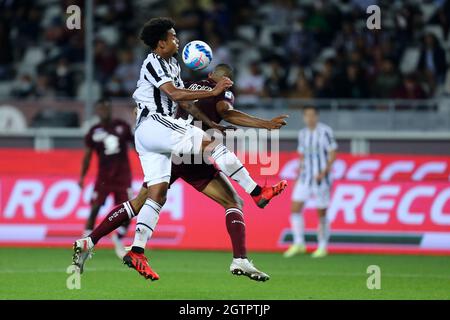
379	204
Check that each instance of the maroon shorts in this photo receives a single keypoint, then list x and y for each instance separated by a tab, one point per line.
197	175
101	192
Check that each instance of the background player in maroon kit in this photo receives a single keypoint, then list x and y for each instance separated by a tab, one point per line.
109	139
207	179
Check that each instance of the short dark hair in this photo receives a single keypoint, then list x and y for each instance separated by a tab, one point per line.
316	110
226	69
155	30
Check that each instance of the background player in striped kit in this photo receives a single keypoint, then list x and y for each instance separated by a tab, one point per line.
317	148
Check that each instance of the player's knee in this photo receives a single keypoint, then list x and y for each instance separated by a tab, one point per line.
158	193
238	202
233	202
209	142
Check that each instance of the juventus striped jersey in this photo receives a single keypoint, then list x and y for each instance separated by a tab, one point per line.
314	146
156	71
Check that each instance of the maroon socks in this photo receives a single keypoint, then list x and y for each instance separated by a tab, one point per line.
115	218
234	219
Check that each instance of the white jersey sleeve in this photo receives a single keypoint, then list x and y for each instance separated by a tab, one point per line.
330	141
157	72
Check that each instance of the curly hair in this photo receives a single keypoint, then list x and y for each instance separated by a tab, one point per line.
155	30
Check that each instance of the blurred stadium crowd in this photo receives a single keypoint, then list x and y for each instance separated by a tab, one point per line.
283	48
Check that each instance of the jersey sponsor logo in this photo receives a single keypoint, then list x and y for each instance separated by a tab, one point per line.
196	86
99	134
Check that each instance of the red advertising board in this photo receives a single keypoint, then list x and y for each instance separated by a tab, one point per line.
379	204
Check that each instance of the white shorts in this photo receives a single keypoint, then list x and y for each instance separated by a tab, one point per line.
157	138
303	192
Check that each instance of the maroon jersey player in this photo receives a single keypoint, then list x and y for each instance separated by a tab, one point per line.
210	181
109	139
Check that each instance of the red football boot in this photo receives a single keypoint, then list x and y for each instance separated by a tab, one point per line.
139	262
268	192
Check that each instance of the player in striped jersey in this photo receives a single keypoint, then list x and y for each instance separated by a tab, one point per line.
158	135
317	148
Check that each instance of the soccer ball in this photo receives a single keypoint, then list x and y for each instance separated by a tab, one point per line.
197	55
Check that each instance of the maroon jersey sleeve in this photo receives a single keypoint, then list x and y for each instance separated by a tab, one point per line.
128	132
88	140
227	96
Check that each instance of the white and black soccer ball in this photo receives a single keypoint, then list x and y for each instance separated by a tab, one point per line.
197	55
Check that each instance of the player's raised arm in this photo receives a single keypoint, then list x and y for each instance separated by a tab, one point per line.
236	117
180	94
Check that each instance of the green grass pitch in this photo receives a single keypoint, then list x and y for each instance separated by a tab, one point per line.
32	273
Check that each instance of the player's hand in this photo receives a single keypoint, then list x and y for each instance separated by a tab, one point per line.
81	183
223	84
320	176
277	122
222	128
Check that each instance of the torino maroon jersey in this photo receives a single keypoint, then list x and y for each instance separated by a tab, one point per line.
208	106
110	142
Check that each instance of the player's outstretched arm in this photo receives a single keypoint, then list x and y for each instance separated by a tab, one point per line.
179	94
198	114
228	113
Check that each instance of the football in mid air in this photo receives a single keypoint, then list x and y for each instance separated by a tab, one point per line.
197	55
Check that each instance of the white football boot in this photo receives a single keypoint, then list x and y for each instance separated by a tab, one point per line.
82	251
118	246
244	267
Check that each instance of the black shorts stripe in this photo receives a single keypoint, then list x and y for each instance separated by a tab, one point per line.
167	124
174	125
